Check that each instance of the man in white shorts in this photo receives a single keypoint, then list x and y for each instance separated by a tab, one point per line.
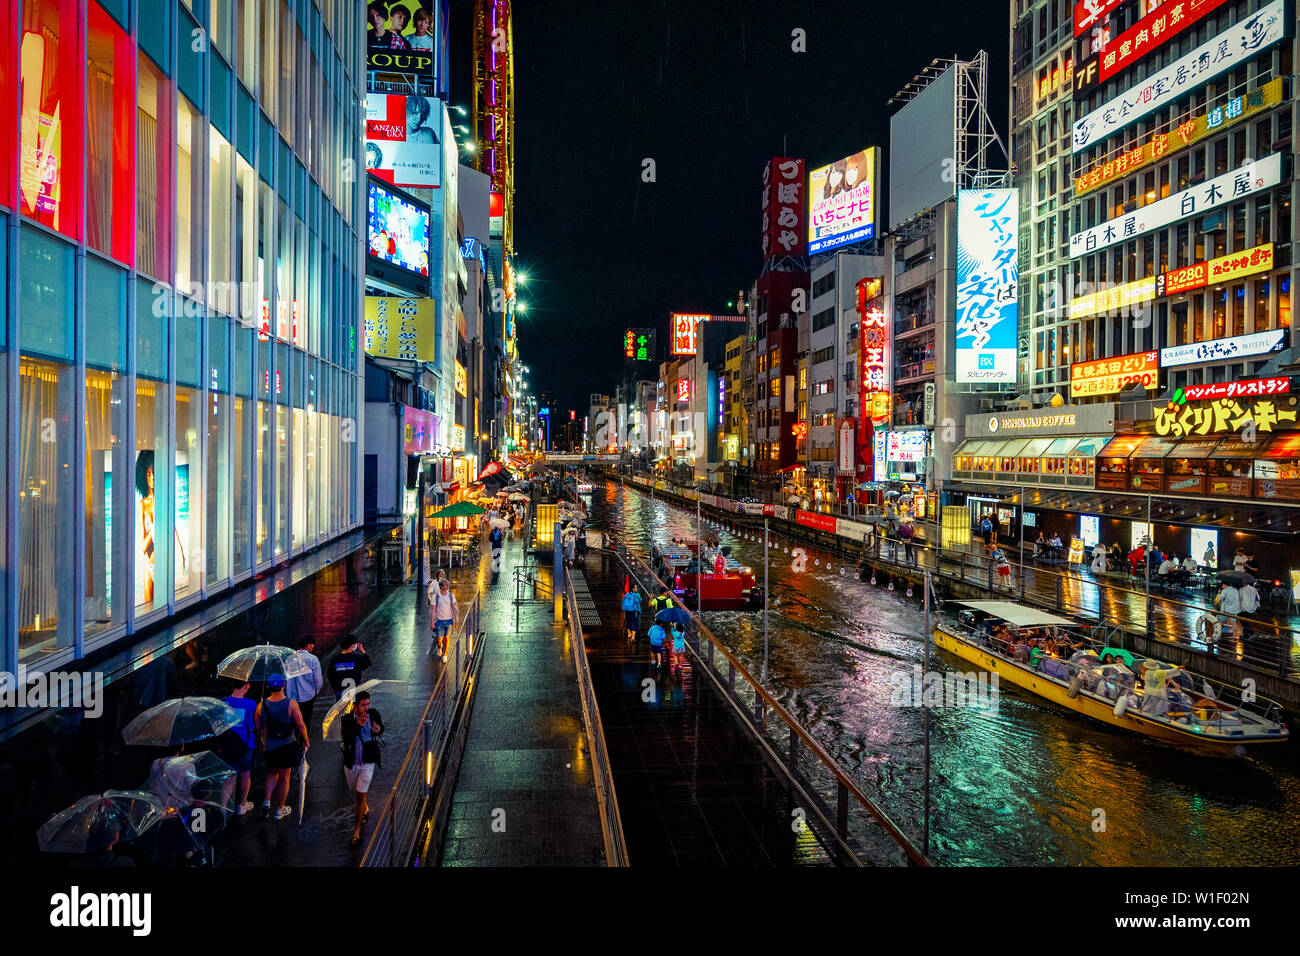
362	728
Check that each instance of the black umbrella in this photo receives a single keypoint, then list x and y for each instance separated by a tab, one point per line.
1236	578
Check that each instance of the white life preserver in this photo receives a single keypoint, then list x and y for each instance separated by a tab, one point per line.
1208	628
1121	705
1076	683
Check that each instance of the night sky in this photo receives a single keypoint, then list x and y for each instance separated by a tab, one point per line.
710	91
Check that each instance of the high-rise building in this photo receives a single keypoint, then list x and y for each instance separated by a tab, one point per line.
181	245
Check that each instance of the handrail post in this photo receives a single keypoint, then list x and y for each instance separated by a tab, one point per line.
392	826
842	816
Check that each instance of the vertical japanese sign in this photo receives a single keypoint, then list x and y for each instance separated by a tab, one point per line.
873	358
987	273
784	231
686	333
639	345
401	328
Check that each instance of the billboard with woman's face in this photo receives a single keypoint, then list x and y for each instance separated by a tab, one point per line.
842	201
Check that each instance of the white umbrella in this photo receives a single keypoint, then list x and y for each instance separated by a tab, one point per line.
303	767
259	662
181	720
499	523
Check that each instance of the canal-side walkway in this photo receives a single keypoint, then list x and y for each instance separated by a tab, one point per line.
692	788
524	794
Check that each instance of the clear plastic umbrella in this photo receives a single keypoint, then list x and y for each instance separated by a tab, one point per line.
332	727
181	720
193	780
100	820
257	663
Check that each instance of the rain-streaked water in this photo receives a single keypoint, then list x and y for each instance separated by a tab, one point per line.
1026	784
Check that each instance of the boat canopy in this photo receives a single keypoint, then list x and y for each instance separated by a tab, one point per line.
1017	615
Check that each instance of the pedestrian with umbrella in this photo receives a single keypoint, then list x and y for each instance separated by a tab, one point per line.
99	822
237	744
257	663
180	721
198	793
279	721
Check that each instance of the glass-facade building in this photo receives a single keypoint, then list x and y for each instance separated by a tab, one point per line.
181	255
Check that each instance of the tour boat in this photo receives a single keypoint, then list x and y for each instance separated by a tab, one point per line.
731	589
1103	682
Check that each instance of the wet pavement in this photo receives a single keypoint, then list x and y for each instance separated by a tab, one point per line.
692	788
524	793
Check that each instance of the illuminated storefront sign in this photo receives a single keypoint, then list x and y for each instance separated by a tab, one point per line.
419	431
457	437
1250	388
683	390
1229	187
462	381
639	345
847	446
1108	376
401	328
1151	32
686	333
1226	51
1184	134
1018	423
1235	265
842	201
987	270
1221	350
1088	13
906	447
783	207
1224	415
1114	299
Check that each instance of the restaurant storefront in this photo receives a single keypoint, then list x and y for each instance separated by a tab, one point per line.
1052	447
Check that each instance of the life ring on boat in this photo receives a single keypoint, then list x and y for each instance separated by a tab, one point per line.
1076	683
1121	705
1208	628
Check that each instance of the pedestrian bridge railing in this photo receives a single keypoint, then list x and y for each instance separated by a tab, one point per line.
849	824
611	823
399	821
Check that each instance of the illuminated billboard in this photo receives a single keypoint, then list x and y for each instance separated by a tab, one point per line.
686	333
401	328
1151	32
842	201
1227	51
402	140
639	345
987	271
1220	191
783	207
1236	348
397	230
408	37
1112	375
1090	13
683	390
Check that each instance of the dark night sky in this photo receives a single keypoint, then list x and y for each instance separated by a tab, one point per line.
710	91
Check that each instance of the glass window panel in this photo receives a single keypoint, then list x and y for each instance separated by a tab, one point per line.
45	295
246	21
221	93
188	362
188	485
152	308
50	166
189	61
46	541
270	70
153	152
222	293
189	197
154	30
108	146
152	479
107	505
106	335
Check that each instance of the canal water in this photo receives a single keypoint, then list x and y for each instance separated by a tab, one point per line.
1025	784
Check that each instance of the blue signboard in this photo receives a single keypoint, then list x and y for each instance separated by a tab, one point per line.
987	272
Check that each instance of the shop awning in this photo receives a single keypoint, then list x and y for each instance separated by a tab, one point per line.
1234	447
1194	448
1154	446
978	446
1088	446
1035	447
1013	448
1060	447
1121	446
1283	446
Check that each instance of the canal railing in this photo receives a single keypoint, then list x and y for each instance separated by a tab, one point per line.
1153	625
848	823
611	822
428	770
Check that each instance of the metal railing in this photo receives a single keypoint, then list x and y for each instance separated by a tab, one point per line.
397	826
846	820
611	822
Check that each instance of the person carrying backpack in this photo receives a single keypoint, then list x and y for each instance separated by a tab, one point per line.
632	612
986	529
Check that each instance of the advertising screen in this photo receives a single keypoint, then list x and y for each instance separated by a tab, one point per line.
1205	547
1090	529
402	139
987	271
407	36
842	201
398	230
